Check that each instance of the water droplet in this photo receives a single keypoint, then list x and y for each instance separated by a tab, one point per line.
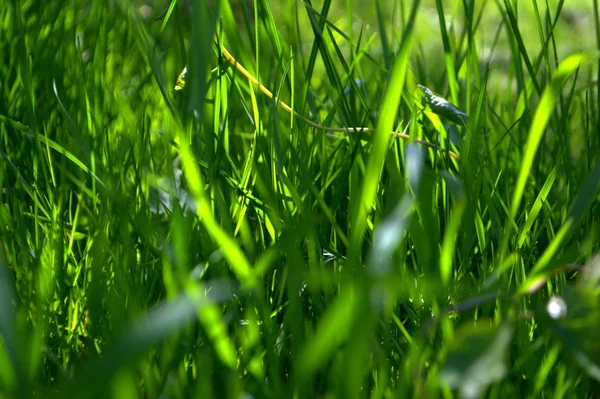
556	307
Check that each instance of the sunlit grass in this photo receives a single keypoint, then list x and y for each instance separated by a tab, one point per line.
206	242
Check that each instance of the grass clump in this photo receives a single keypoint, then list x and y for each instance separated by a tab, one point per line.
206	242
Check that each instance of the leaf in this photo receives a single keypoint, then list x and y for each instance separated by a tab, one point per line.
477	358
333	329
539	123
143	334
379	147
390	232
575	215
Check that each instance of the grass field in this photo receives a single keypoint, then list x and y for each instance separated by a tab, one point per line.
205	242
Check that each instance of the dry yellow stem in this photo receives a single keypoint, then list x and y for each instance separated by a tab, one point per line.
402	135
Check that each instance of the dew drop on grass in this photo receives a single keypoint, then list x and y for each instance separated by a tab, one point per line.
556	307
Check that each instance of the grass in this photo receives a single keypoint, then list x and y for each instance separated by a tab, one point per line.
207	243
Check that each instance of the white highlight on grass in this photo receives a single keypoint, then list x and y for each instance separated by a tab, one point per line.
556	307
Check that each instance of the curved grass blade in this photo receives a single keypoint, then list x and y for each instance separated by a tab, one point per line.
579	207
540	120
52	144
381	138
536	132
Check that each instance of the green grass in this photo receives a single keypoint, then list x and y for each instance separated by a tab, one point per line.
206	243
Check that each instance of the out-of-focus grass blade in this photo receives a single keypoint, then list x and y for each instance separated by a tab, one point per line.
144	42
212	320
543	373
52	144
586	194
390	231
385	44
333	330
202	37
147	332
10	376
231	250
449	242
385	124
477	358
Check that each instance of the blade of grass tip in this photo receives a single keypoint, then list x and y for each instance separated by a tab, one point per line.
579	207
354	44
381	138
449	243
165	17
536	132
550	358
536	207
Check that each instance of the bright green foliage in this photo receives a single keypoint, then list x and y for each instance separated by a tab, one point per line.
205	243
